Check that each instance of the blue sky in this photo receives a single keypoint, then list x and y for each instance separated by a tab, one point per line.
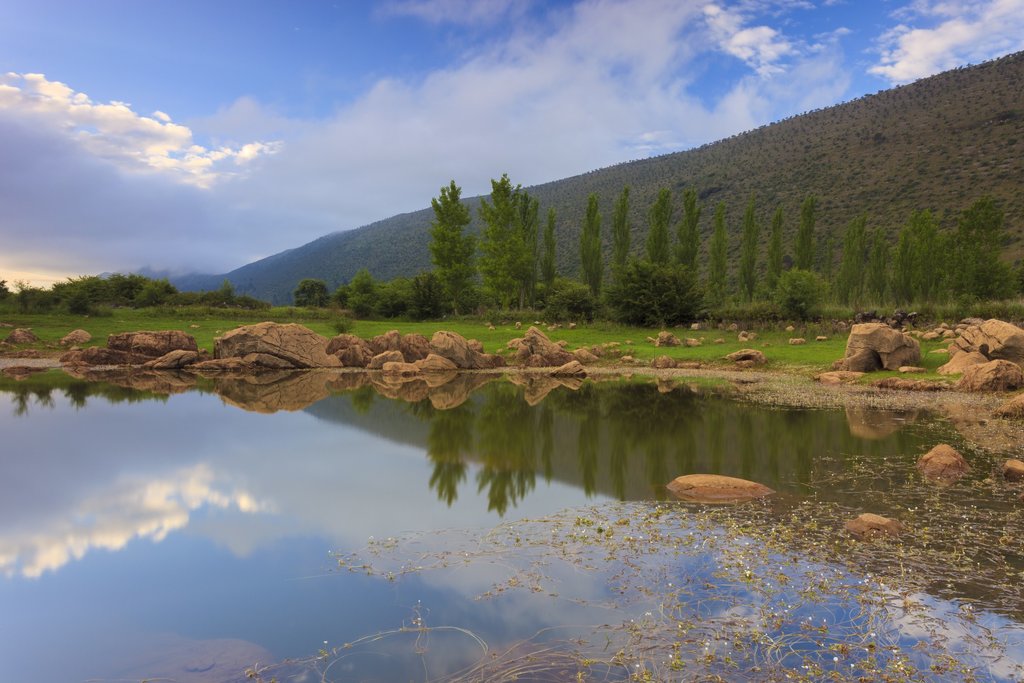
204	135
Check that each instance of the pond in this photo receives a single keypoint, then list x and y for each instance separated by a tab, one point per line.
337	527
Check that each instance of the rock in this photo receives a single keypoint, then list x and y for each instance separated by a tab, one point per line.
225	365
401	369
1013	470
753	356
572	326
690	365
98	355
584	356
571	369
479	347
961	361
994	339
519	325
21	335
939	352
378	361
692	343
838	376
21	372
536	350
996	375
173	360
458	350
745	336
734	327
821	338
152	344
790	328
663	363
943	463
626	359
389	341
76	337
797	341
666	338
871	346
716	488
270	392
350	350
1014	408
931	336
719	341
266	361
911	369
297	345
414	347
868	526
435	363
694	326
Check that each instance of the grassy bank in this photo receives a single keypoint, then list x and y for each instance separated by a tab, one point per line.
205	324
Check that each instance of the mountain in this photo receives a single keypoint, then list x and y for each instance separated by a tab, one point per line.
939	143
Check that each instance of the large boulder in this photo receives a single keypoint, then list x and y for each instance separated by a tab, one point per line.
996	375
666	338
943	464
1013	470
21	336
75	337
152	344
350	350
994	339
663	363
389	341
571	369
461	351
414	347
961	361
299	346
435	363
173	360
747	356
99	355
378	361
536	350
869	342
1013	408
868	526
716	488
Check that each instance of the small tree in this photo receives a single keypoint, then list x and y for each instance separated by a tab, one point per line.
798	293
450	250
590	247
362	294
659	218
311	293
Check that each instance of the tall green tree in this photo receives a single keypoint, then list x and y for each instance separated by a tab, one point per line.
748	251
774	270
979	242
450	250
620	230
902	277
689	231
590	246
805	235
547	261
658	220
718	264
878	266
526	268
503	251
850	282
312	293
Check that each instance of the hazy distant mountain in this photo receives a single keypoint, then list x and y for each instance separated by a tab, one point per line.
939	143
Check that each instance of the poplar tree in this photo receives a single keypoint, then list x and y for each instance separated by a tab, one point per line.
620	230
902	283
748	252
805	235
526	267
718	253
850	283
590	246
878	266
547	262
979	241
659	218
689	231
927	256
502	247
775	251
450	250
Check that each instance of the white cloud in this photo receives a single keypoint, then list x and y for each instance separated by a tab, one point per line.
960	32
760	47
113	131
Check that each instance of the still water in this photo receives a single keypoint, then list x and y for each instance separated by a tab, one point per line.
192	533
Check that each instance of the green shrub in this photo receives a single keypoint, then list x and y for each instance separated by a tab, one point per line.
799	293
654	295
570	300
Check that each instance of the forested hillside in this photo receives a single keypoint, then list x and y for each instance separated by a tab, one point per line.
939	144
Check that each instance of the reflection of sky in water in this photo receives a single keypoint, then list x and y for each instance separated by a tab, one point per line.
190	539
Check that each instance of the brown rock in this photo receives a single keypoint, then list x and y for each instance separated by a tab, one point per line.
745	336
270	392
571	369
821	338
435	363
98	355
753	356
891	347
666	338
457	349
862	360
378	361
225	365
1014	408
401	369
693	343
350	350
663	363
797	341
536	350
716	488
152	344
838	376
943	463
1013	470
22	335
868	526
960	362
265	361
297	345
996	375
911	369
414	347
173	360
21	372
994	339
585	356
389	341
76	337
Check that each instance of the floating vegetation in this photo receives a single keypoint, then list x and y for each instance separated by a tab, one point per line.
765	591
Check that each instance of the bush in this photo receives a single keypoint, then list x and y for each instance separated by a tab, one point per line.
798	293
652	295
569	300
342	325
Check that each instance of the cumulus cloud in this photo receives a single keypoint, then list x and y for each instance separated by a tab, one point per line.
760	47
954	32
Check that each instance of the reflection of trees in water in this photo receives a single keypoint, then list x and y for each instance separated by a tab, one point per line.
40	390
449	441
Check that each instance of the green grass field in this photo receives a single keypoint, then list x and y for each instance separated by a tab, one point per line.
207	324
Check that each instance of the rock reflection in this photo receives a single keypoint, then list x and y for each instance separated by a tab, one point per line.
878	424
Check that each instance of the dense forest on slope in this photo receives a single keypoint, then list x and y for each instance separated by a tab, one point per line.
939	144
